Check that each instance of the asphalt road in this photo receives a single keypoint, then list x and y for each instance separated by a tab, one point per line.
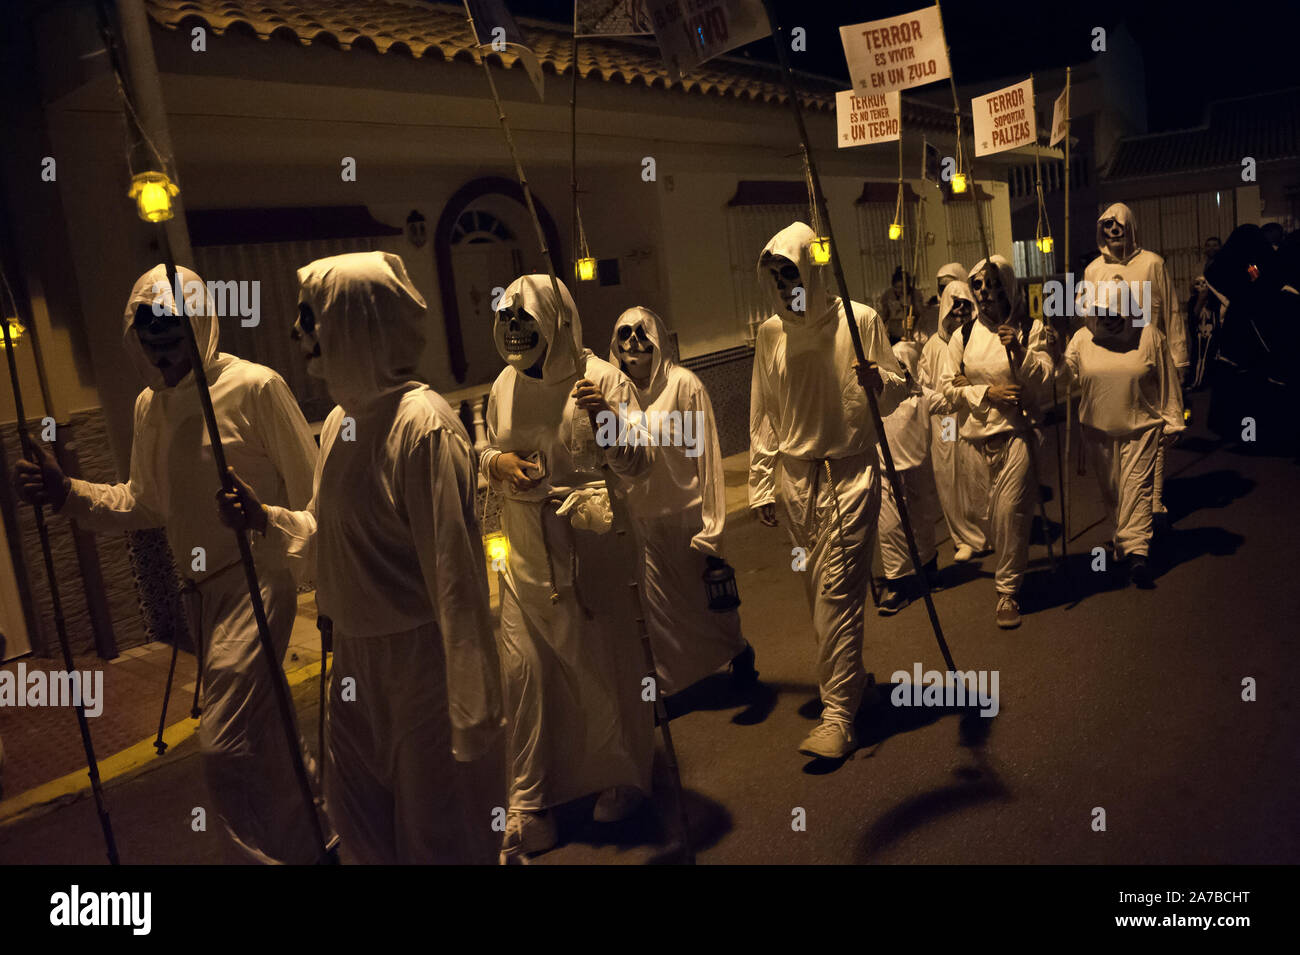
1109	698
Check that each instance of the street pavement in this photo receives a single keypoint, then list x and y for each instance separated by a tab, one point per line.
1112	703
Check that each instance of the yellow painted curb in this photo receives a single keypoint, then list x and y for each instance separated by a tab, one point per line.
129	762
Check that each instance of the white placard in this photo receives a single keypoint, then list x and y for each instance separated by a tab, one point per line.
866	119
692	31
1004	119
896	53
1060	116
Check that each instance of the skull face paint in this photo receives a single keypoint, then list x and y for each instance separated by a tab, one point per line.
518	336
636	352
784	274
304	333
163	341
1114	231
991	295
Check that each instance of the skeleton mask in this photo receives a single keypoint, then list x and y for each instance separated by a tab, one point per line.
636	351
518	336
162	337
1114	231
991	295
304	333
784	274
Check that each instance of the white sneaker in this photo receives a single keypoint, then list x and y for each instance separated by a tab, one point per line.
617	803
964	553
529	831
829	741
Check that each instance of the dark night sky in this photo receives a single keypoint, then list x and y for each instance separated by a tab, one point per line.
1194	53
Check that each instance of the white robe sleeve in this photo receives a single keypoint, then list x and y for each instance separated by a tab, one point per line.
438	496
634	457
1173	327
763	442
491	452
287	441
132	506
292	533
713	485
1170	384
875	344
969	397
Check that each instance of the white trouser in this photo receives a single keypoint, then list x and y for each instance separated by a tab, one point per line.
922	508
835	527
395	792
1010	504
689	640
246	759
1126	467
962	480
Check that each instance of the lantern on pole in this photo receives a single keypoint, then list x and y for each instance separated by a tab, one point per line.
584	268
153	193
821	250
496	547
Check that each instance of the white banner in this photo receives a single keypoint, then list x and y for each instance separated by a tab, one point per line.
896	53
1004	119
866	119
692	31
1060	116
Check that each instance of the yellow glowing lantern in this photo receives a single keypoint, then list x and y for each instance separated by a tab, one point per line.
959	182
15	332
1045	244
153	193
496	547
895	231
821	250
585	269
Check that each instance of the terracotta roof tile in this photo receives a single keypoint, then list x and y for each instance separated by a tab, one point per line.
1265	127
420	29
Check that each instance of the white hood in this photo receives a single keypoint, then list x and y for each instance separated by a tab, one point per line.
794	242
370	321
655	331
957	289
1131	245
1007	272
953	270
563	344
154	287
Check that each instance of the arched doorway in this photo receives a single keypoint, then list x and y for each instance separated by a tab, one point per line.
484	240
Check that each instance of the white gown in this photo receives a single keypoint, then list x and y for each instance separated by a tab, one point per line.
1128	396
1000	436
808	411
678	510
960	475
573	665
391	539
172	483
1137	264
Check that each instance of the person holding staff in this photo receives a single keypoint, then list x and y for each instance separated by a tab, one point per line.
960	474
980	379
808	411
249	768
